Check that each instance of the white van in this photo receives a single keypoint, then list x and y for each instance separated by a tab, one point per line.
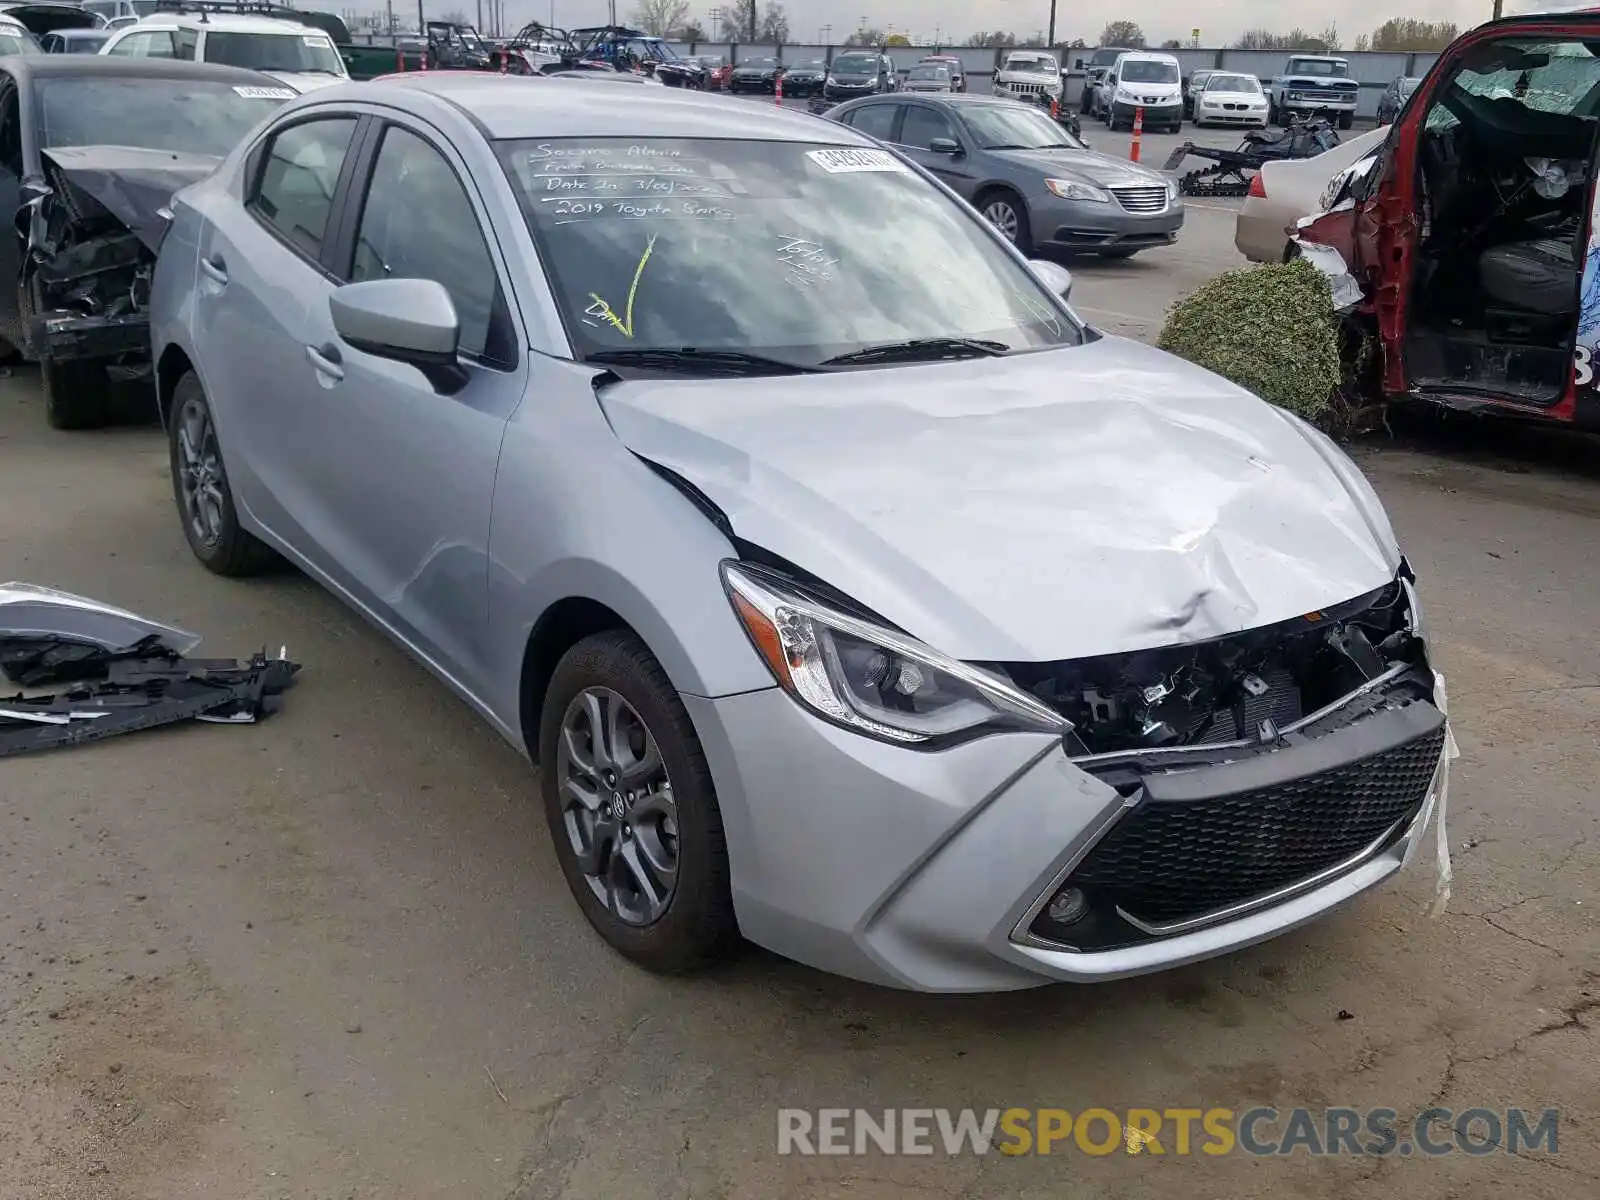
1144	79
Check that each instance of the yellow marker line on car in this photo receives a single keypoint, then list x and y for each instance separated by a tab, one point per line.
625	325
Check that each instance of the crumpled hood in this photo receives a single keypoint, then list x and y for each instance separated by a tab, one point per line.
1098	168
1092	500
132	184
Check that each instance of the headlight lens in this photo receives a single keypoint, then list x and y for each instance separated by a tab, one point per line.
1076	189
1172	189
869	679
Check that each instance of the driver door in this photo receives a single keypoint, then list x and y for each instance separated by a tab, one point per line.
922	126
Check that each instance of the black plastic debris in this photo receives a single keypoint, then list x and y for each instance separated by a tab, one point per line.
117	673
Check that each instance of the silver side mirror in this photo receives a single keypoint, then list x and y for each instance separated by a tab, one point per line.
1053	275
412	321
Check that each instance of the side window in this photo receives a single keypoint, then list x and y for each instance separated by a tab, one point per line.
417	223
152	43
298	175
877	120
922	125
10	131
186	39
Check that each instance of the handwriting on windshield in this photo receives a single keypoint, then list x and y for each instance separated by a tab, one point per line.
601	309
567	210
806	261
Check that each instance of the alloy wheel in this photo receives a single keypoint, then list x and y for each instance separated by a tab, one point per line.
1003	216
617	806
201	480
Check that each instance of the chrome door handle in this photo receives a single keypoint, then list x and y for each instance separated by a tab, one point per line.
214	268
326	360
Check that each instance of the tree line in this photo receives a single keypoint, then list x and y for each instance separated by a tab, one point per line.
1395	34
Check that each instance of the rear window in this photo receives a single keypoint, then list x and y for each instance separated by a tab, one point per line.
195	116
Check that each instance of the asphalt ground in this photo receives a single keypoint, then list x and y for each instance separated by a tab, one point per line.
331	956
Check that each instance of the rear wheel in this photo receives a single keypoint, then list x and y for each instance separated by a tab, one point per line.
632	808
200	486
77	394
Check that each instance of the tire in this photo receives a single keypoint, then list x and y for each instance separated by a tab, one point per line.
77	394
672	821
1346	120
213	532
1009	215
1272	114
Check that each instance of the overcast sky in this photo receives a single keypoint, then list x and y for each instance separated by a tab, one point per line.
1219	21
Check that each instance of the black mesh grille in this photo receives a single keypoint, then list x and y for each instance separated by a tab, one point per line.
1168	862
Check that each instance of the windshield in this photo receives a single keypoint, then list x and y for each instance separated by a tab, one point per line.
1144	70
1037	63
1317	66
934	73
1016	127
759	62
811	64
782	249
855	64
190	115
1233	83
16	41
312	53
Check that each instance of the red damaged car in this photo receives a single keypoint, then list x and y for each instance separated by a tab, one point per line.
1471	240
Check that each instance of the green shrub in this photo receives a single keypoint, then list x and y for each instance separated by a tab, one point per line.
1271	329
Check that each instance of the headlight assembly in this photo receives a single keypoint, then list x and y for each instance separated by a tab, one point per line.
869	679
1076	189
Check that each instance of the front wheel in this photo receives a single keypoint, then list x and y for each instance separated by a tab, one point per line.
1010	216
1346	120
632	808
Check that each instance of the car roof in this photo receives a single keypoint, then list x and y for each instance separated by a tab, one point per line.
224	22
122	66
1150	55
510	106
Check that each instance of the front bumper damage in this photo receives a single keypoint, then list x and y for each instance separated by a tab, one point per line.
1208	798
94	225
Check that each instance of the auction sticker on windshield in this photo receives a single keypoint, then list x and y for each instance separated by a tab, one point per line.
843	161
265	93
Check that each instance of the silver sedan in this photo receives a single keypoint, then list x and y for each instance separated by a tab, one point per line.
851	594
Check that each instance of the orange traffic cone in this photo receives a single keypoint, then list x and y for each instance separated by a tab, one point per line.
399	59
1138	128
777	91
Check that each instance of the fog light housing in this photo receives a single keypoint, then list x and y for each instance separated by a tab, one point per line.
1067	907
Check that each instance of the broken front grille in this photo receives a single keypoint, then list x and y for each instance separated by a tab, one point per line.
1200	842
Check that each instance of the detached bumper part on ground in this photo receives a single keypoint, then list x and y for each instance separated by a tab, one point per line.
119	673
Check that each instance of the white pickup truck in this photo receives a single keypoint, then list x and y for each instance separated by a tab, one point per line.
1314	83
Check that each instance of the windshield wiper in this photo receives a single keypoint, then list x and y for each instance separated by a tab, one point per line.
695	360
929	349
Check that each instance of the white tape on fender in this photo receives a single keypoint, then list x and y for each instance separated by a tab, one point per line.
1441	885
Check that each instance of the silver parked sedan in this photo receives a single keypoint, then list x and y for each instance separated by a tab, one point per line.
851	595
1040	185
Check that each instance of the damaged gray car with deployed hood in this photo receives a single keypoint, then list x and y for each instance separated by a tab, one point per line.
898	621
91	150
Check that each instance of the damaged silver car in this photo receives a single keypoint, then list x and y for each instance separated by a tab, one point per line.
898	621
91	150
